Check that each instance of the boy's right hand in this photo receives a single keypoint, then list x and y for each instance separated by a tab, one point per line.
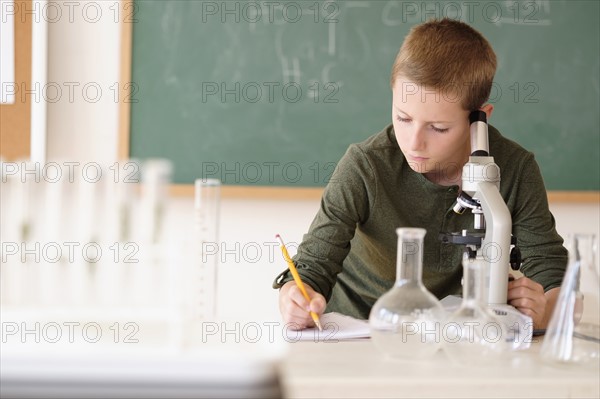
295	309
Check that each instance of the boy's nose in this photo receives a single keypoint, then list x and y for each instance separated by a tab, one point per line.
418	140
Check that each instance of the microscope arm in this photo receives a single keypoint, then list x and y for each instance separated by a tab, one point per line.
495	246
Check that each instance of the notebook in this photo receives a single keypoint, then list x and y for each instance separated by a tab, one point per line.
336	327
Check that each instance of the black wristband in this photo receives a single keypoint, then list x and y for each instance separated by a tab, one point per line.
282	278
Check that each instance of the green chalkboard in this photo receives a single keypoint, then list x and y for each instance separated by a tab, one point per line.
273	92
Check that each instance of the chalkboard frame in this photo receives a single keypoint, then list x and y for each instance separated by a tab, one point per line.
23	123
251	192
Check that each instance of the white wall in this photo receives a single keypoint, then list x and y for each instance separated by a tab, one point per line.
247	236
81	130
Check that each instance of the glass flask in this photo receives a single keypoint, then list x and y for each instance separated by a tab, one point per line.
405	321
473	334
568	340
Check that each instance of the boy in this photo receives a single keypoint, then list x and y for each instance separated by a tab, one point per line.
409	175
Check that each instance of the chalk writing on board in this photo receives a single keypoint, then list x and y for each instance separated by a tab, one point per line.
532	13
291	73
302	87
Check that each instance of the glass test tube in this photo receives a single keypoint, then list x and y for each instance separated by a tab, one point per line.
206	234
146	281
156	176
48	271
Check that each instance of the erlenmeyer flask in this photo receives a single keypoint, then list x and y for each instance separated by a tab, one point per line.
473	334
566	340
405	321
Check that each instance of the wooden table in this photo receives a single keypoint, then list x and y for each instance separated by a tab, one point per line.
355	369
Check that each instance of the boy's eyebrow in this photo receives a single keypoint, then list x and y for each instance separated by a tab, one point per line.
399	110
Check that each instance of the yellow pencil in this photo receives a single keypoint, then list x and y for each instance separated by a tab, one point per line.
297	279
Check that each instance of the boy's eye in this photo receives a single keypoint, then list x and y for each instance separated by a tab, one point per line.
439	130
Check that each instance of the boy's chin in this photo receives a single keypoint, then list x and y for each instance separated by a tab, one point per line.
419	167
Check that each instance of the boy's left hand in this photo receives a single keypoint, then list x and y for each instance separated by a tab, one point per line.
528	297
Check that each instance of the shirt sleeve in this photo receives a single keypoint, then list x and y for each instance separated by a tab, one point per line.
544	256
345	204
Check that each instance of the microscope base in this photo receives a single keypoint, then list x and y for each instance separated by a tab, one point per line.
519	325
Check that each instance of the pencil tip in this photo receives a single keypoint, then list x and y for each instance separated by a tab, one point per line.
319	325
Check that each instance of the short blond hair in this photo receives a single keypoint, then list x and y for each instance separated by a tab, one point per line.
448	56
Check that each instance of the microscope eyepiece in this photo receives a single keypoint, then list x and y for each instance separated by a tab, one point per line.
479	134
477	116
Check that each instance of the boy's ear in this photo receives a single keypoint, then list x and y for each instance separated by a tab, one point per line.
488	109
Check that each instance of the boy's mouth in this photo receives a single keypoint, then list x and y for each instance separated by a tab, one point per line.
417	158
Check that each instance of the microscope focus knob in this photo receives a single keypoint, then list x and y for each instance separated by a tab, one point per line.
515	258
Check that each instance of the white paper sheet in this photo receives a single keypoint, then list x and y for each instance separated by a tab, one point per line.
336	327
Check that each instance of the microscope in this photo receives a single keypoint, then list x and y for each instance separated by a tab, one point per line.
491	239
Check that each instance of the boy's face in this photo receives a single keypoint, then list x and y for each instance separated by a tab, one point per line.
432	130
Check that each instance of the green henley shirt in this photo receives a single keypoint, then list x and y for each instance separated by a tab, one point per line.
349	252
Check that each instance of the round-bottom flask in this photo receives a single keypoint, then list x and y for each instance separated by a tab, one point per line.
405	321
473	334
